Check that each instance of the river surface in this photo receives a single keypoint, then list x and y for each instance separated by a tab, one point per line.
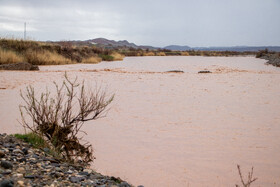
173	129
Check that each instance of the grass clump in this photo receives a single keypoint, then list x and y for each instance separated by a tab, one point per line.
92	60
32	138
106	57
117	56
185	53
160	54
9	57
149	53
44	57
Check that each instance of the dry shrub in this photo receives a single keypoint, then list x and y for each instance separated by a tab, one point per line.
44	57
92	60
250	179
9	57
150	53
161	54
185	53
117	56
57	121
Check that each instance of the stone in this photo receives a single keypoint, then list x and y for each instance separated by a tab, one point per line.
124	184
84	173
6	164
75	179
30	176
18	175
55	164
6	172
25	151
88	170
2	154
20	183
19	66
6	183
175	71
18	151
47	150
205	71
21	170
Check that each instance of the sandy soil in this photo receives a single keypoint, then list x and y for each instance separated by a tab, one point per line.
170	129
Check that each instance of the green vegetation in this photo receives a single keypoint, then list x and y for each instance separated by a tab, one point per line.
67	52
32	138
266	53
106	57
166	52
52	53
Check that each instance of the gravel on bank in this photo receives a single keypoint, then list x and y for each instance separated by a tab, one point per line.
22	165
273	59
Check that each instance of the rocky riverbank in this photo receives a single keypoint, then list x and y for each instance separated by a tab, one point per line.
22	165
273	59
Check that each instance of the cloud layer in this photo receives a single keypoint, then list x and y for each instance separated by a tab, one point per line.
157	22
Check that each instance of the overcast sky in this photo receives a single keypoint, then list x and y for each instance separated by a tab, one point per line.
154	22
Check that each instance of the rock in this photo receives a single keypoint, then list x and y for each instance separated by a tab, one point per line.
175	71
124	184
75	179
18	151
2	154
6	172
21	170
6	183
47	150
25	151
18	175
20	183
88	170
19	66
30	176
84	173
6	164
205	71
55	164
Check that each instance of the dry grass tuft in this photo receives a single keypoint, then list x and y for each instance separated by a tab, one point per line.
44	57
149	54
92	60
117	56
160	54
9	57
185	53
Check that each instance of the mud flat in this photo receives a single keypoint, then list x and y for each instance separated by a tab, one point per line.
174	129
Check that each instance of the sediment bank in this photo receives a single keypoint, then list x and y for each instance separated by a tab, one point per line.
23	165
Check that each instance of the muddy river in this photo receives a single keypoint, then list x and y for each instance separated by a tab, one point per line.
173	129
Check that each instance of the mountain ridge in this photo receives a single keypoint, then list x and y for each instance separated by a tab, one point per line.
106	43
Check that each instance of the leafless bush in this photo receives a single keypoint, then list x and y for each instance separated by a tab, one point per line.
250	178
57	120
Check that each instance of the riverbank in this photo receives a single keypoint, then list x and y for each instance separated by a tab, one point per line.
273	59
23	165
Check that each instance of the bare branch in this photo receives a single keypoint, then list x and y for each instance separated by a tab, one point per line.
59	120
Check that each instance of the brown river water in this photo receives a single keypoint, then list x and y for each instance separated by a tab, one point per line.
173	129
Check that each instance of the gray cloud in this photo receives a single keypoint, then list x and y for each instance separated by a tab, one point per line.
157	22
